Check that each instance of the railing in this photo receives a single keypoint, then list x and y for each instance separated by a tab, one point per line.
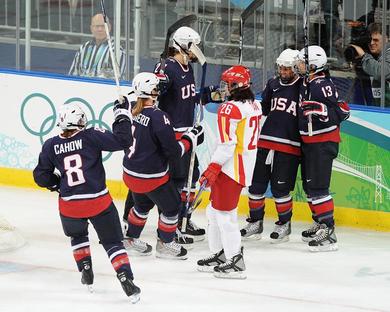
64	24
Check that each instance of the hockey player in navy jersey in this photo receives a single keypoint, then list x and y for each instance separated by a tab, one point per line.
320	147
279	150
146	169
178	101
83	195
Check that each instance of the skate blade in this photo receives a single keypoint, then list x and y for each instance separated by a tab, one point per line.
252	237
90	288
171	257
136	253
205	269
197	238
280	241
332	247
135	298
231	275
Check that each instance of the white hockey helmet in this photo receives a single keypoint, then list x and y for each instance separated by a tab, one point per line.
144	84
287	58
184	37
71	117
317	58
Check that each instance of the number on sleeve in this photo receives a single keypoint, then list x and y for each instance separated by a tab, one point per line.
132	147
73	169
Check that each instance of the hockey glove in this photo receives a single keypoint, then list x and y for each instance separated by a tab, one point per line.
56	186
211	174
164	83
213	94
315	108
194	136
344	110
121	110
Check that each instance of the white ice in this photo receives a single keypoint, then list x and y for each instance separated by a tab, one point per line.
42	276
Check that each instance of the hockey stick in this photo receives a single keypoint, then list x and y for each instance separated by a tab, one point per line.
112	55
307	66
193	154
184	21
244	15
197	200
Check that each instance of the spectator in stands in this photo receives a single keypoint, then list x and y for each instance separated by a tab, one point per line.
93	57
372	62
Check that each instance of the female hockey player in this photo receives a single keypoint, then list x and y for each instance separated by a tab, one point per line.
279	150
77	154
320	147
230	170
146	169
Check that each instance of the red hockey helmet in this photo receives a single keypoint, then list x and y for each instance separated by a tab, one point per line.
237	76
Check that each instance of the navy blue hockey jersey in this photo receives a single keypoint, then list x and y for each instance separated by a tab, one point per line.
324	91
280	130
180	97
83	191
145	163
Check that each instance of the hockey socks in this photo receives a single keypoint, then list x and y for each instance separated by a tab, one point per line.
81	251
167	227
323	207
284	208
256	207
136	221
118	257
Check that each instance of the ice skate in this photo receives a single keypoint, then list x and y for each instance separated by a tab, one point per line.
193	231
208	264
310	233
183	239
233	268
325	240
281	232
170	250
137	247
87	275
130	289
252	230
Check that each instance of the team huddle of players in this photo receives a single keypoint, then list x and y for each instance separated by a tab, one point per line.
301	127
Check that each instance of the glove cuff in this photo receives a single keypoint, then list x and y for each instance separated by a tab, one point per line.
121	112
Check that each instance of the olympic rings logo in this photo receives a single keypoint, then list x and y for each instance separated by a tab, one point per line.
48	123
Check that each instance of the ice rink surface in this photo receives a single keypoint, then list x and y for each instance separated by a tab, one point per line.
42	276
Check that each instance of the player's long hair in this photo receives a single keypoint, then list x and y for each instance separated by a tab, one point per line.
138	107
241	94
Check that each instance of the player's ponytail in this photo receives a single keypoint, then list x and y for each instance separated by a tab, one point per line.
138	107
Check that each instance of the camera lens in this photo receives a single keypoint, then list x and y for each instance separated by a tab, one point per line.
350	54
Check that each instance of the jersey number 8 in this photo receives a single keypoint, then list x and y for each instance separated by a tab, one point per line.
74	173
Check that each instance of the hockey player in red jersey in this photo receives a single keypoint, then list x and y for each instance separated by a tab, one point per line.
320	147
146	170
83	195
230	170
278	153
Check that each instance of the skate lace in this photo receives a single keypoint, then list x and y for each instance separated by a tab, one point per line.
226	264
192	225
139	243
281	228
252	226
210	257
323	233
172	247
314	228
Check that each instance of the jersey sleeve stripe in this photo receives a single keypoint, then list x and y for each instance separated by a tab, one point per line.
223	127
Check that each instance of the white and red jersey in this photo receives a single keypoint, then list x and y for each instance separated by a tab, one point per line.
238	133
